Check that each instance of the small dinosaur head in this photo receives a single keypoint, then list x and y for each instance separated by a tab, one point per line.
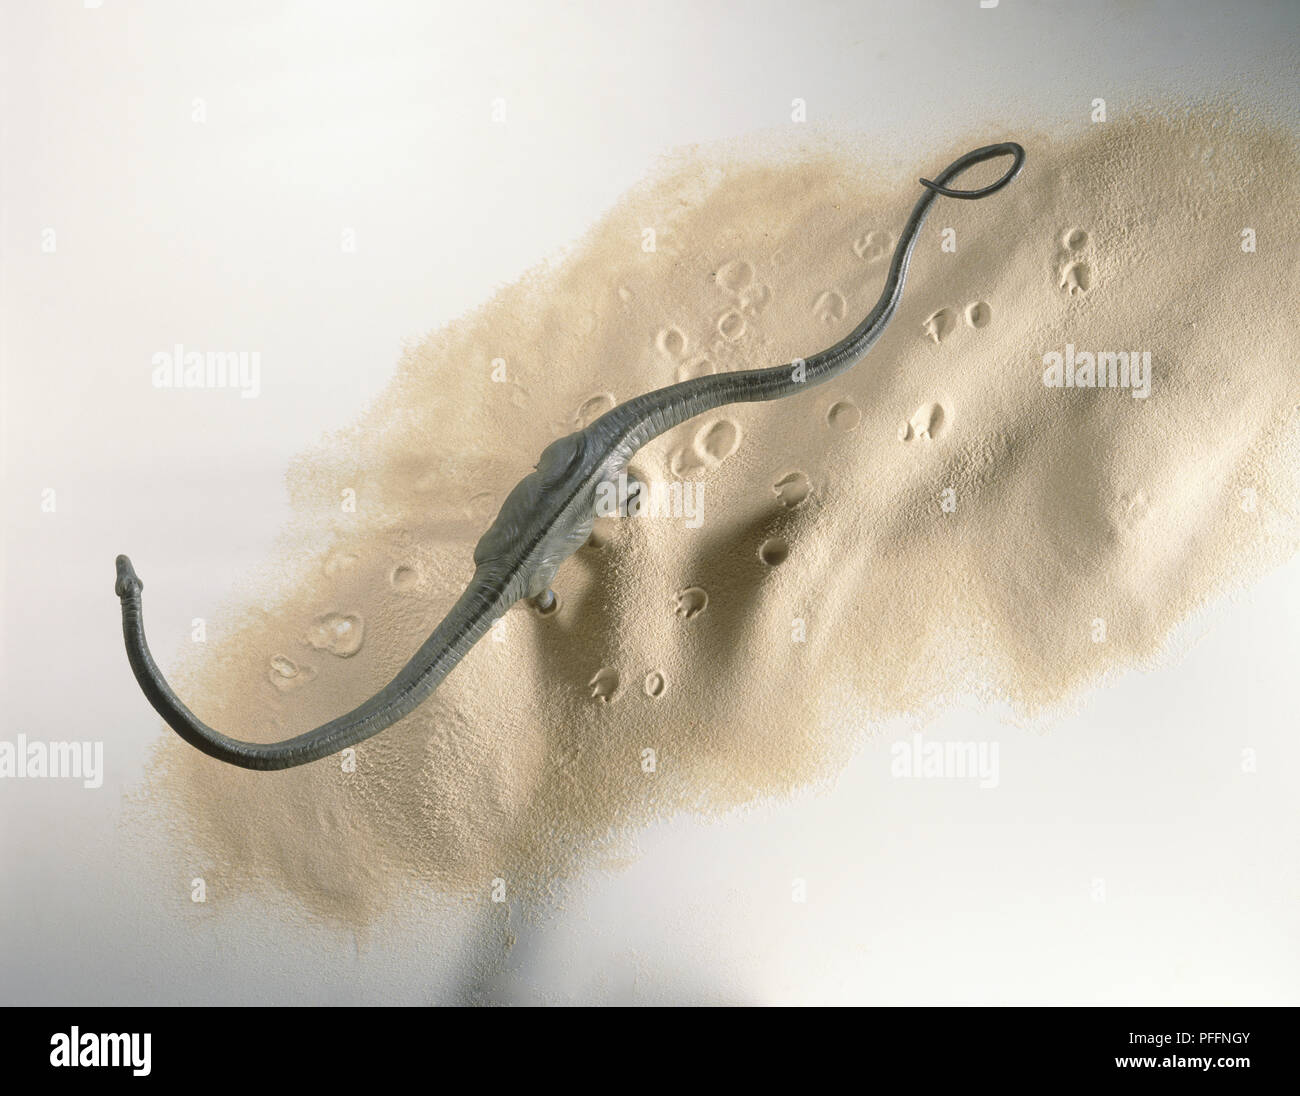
128	583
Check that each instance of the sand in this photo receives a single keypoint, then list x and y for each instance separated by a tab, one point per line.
937	526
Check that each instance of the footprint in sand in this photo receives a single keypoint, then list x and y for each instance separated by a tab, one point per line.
1076	279
603	685
872	246
592	408
792	489
671	342
712	444
685	463
336	633
690	602
731	325
830	307
755	299
978	314
1074	239
404	577
1076	275
655	684
939	325
843	415
927	422
718	440
774	551
286	675
734	277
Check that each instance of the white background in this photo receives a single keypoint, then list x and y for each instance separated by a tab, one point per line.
377	117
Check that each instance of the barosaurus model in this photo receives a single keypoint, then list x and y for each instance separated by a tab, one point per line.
546	518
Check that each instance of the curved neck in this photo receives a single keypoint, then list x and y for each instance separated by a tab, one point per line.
633	424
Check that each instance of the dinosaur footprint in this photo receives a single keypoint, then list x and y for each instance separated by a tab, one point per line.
1075	275
1076	279
927	422
939	325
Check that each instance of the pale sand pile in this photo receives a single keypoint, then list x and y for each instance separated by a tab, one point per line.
1071	505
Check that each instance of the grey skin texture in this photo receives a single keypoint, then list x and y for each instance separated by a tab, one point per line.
545	519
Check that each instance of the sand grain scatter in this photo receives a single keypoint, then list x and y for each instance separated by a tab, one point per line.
977	562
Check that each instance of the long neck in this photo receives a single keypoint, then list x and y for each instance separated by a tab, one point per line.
632	424
646	417
483	601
